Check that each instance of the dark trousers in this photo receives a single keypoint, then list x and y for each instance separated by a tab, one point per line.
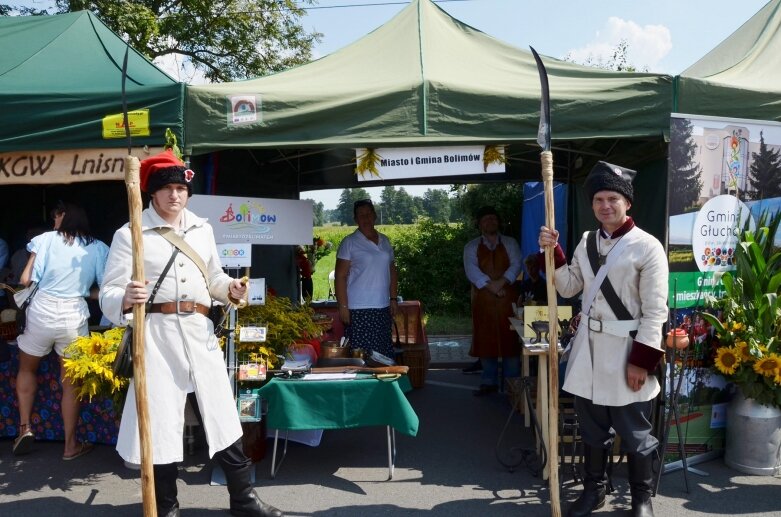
600	424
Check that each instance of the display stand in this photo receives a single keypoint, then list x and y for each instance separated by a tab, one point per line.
218	476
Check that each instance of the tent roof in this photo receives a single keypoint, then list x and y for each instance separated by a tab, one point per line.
426	78
741	77
60	75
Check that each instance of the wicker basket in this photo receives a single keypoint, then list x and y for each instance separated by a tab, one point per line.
417	359
8	330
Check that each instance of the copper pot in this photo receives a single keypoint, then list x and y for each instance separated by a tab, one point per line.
678	338
331	349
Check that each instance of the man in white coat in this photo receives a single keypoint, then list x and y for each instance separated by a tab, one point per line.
182	354
622	272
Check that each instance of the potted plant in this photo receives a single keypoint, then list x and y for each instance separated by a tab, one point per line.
748	350
287	327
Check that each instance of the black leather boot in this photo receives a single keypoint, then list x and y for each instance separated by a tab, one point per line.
594	482
165	489
238	471
244	501
641	478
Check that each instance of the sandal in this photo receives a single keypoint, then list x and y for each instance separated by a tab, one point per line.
24	442
86	448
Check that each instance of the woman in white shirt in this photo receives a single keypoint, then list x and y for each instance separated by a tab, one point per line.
366	284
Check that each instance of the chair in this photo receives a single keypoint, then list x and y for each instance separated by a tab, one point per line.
331	285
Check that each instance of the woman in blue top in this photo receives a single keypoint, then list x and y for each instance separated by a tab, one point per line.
65	263
366	284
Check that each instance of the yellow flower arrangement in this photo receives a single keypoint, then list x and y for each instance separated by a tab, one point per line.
88	365
748	352
286	324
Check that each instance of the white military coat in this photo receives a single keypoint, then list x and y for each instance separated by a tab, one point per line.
182	353
596	369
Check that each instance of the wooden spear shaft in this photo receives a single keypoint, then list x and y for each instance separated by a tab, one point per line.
132	182
546	159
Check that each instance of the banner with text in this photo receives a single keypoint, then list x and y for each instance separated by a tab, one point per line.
722	174
71	166
256	220
717	185
403	163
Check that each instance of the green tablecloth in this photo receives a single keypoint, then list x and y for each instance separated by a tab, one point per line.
339	404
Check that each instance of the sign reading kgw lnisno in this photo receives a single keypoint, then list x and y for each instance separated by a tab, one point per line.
424	162
71	166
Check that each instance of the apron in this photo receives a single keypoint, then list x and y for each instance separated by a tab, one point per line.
492	335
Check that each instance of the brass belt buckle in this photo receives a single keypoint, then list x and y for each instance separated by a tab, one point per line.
185	307
597	329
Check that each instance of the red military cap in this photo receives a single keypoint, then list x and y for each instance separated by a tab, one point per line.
161	169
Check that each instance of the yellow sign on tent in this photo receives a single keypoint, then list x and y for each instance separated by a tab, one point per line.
138	120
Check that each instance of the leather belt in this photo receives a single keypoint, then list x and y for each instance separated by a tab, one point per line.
180	307
620	328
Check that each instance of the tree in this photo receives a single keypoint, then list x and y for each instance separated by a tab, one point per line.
345	206
224	39
765	172
317	212
506	198
436	205
685	170
388	206
405	207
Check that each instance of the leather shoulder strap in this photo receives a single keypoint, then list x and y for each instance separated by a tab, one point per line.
171	236
611	297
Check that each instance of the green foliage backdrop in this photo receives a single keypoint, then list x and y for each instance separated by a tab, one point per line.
428	258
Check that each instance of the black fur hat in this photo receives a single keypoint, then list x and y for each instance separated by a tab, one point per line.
606	176
163	177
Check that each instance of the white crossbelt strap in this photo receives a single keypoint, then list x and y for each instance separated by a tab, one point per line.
593	289
620	328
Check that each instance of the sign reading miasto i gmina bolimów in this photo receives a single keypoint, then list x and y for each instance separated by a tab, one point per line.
401	163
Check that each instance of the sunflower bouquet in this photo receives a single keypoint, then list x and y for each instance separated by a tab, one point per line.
748	331
88	361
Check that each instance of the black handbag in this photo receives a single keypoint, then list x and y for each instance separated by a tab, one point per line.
123	362
21	314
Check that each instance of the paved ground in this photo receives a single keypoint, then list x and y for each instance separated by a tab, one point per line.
450	351
450	469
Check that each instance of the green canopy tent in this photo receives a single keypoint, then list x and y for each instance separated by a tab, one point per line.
741	77
60	81
60	76
423	79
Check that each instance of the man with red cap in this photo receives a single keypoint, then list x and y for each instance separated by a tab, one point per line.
622	272
182	353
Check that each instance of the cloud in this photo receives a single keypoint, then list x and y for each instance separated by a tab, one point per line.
647	45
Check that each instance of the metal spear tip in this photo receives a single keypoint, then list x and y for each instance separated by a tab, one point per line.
544	131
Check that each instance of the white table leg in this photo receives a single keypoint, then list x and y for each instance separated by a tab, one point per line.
542	409
391	451
274	465
525	375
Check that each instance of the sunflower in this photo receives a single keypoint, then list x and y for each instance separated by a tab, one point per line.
737	326
768	365
743	351
727	360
